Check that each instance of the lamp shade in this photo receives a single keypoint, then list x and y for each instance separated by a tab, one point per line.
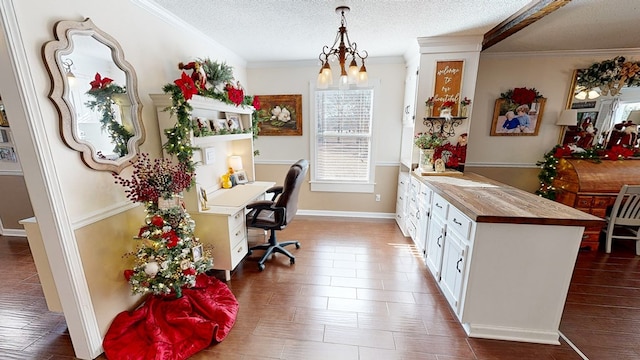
568	118
634	117
235	162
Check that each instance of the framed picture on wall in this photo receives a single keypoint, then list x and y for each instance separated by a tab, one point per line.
280	115
512	119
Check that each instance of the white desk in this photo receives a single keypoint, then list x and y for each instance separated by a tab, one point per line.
222	228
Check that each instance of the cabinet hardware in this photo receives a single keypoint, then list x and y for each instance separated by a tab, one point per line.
456	222
458	265
438	241
438	206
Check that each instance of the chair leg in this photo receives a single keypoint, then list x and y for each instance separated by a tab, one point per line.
272	247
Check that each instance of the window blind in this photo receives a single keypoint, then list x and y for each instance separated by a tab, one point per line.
343	135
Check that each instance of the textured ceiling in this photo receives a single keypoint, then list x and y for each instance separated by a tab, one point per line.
286	30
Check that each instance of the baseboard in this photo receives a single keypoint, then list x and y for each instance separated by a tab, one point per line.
512	334
13	232
347	214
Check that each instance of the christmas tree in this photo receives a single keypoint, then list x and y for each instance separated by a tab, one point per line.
168	256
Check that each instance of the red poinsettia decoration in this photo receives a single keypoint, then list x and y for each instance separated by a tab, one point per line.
521	95
562	152
256	103
236	94
99	82
186	84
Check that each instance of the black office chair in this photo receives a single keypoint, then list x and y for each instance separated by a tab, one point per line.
276	213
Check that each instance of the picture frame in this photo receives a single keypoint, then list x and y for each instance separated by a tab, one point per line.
280	115
233	122
203	124
3	117
219	124
197	253
507	122
240	177
8	154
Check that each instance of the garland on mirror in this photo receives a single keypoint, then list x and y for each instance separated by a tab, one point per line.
106	94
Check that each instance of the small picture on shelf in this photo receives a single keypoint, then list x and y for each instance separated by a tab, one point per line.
8	154
3	117
220	125
4	136
240	177
233	122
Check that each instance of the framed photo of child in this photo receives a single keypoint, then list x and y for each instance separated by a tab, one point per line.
511	119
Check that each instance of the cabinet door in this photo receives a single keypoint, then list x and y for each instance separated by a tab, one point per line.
453	266
435	245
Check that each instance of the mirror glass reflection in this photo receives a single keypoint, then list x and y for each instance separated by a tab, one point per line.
603	119
95	90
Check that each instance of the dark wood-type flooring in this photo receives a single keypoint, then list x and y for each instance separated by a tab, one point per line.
358	290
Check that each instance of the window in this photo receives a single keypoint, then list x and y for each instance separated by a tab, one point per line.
342	144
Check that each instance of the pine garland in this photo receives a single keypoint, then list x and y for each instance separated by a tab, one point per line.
549	166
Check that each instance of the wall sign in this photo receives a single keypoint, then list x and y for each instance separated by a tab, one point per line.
448	84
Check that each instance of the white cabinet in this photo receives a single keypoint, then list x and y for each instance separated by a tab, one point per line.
435	245
402	202
505	274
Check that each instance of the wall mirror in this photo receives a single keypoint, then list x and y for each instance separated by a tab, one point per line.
95	92
603	115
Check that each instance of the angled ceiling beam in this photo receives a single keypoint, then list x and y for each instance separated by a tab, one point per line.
533	12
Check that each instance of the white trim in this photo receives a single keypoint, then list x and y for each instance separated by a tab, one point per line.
11	173
501	165
346	214
50	209
555	53
12	232
102	214
573	346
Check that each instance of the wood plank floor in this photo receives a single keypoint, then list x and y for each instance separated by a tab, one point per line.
359	291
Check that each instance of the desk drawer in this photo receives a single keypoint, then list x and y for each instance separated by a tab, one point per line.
239	252
236	219
237	235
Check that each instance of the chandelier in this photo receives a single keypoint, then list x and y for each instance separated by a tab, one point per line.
343	49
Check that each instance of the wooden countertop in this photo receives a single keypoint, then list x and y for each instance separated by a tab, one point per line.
489	201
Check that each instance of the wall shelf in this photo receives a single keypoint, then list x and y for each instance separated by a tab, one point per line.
442	125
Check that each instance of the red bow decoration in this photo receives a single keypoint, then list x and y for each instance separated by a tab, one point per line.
256	103
236	95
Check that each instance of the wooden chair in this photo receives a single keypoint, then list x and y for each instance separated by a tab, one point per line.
624	220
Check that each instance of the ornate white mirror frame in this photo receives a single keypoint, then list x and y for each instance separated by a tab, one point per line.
106	127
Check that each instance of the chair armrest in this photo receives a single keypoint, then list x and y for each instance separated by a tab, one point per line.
260	204
276	190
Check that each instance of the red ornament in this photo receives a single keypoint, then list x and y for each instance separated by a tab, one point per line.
173	241
156	220
189	271
128	274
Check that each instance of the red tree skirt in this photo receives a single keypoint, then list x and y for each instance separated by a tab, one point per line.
168	328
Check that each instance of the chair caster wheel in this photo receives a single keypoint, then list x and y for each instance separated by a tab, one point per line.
297	245
292	261
261	267
250	252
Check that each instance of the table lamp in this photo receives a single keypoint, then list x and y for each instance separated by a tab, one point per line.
235	162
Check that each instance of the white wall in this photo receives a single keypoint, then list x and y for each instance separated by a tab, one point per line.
294	78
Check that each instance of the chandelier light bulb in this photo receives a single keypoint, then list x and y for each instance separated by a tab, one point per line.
353	71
